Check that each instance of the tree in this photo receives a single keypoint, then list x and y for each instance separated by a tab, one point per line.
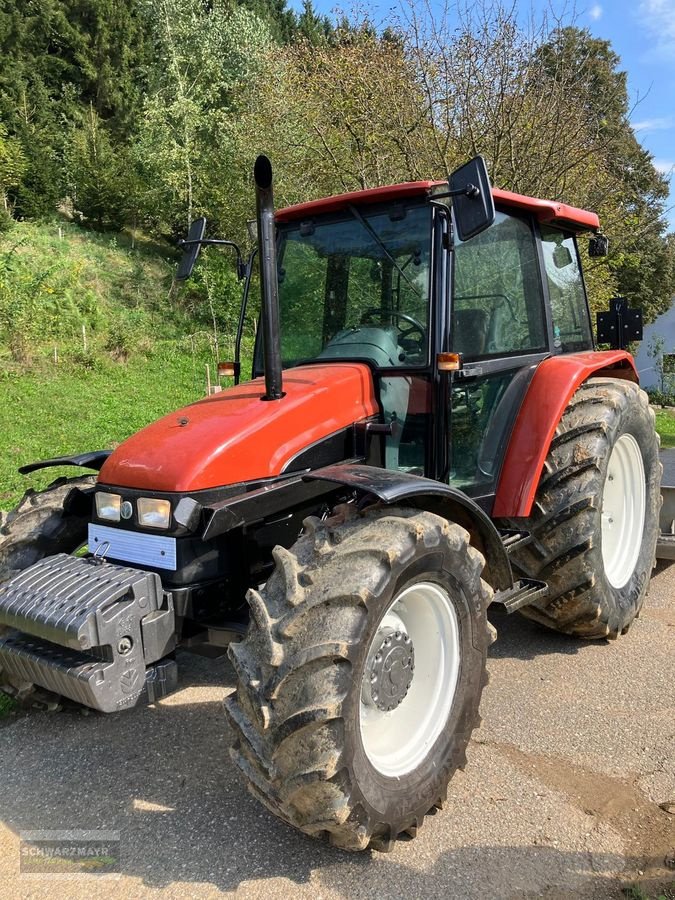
348	113
58	58
98	175
205	54
546	105
12	165
629	192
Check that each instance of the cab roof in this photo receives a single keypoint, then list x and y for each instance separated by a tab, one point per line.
549	212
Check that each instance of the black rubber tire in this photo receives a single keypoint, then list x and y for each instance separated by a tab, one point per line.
295	714
566	521
37	528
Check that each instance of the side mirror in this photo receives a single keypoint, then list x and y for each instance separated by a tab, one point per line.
598	246
473	206
191	246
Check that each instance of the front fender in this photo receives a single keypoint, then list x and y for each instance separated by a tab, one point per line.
92	460
392	487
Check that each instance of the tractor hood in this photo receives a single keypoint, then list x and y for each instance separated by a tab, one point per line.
236	436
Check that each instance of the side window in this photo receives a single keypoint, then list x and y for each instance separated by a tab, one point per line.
571	325
498	304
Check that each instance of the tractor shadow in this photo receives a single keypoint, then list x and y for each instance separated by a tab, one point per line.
520	638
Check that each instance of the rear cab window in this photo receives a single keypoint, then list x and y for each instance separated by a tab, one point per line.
569	308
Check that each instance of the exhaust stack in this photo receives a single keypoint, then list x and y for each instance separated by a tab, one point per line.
269	285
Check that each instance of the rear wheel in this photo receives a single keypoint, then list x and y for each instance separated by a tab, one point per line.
360	678
37	528
595	520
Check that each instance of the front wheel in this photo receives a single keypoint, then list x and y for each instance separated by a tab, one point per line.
360	678
36	528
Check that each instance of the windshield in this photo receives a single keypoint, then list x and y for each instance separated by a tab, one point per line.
356	287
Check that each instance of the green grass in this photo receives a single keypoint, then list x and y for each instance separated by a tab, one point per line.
7	705
52	412
636	892
665	425
145	352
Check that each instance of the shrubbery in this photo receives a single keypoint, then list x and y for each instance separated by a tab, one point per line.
661	398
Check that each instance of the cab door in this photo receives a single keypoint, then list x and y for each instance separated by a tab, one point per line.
499	324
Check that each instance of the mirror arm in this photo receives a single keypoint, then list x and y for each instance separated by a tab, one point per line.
217	242
248	271
469	190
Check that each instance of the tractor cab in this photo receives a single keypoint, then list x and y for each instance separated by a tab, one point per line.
451	329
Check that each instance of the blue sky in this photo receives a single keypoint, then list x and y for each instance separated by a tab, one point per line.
642	32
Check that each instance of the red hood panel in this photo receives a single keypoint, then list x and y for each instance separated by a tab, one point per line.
235	436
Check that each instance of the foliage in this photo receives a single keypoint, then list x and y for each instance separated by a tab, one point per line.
205	55
59	58
12	164
142	114
99	175
655	349
660	397
626	189
56	279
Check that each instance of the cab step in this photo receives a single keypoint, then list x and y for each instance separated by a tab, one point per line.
523	593
514	539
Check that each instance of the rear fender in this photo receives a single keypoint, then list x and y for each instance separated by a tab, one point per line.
399	488
551	389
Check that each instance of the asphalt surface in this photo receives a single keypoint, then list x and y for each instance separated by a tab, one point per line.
560	797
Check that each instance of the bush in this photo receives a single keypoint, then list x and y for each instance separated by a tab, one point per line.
660	398
6	220
86	360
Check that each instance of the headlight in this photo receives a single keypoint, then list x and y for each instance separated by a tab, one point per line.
108	506
154	513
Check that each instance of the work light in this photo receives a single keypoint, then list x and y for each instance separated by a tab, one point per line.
108	506
154	513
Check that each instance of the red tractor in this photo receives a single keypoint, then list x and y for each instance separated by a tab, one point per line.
429	429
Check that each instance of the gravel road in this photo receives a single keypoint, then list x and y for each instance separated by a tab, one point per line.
560	797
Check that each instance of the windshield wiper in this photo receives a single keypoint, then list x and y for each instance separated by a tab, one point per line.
371	231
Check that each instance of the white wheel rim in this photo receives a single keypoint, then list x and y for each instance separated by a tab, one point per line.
397	742
623	511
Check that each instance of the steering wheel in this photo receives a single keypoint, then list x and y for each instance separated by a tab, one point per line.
414	326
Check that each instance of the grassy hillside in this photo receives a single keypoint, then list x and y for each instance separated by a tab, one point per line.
57	278
142	353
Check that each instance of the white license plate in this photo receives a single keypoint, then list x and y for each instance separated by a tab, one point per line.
153	550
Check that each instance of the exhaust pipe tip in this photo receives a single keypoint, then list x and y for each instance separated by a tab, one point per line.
262	172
